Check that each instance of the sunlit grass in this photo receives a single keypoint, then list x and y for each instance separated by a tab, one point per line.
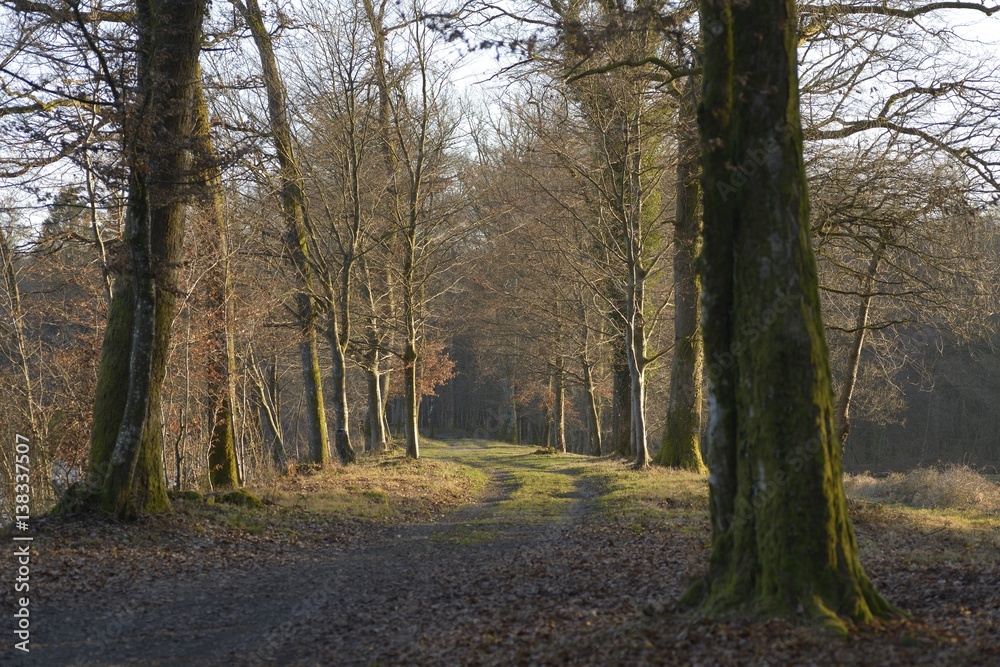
381	487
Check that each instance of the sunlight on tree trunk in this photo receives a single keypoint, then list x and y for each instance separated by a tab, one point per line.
136	346
680	447
781	538
222	463
294	209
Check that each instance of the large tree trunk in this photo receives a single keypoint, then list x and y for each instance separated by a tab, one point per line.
222	463
294	209
312	384
854	355
410	391
781	538
682	434
633	233
137	344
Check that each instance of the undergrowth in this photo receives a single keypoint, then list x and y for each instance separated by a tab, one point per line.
951	487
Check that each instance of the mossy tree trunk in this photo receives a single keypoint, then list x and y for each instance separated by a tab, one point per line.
126	441
621	395
293	203
782	542
682	433
218	288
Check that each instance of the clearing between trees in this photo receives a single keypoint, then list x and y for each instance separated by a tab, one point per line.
480	553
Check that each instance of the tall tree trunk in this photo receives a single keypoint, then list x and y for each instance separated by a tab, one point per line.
137	344
559	417
634	235
376	410
515	419
383	387
781	538
18	356
637	393
222	464
621	397
294	209
410	392
854	355
682	434
594	440
411	400
341	425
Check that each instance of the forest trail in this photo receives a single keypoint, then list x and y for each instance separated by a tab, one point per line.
557	560
390	601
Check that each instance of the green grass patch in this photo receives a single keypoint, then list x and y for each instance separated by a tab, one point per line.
533	486
382	488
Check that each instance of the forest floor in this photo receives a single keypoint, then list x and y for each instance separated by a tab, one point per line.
478	554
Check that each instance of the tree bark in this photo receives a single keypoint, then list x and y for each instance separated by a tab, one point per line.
621	397
222	463
781	538
342	436
411	400
376	410
294	209
160	139
383	387
594	439
682	433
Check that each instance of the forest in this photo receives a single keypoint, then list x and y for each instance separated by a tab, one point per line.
521	332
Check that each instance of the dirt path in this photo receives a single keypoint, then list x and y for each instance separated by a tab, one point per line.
565	562
394	601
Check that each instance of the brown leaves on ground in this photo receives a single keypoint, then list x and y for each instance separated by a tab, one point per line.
333	509
366	580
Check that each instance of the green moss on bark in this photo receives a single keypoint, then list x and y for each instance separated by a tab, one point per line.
782	542
112	380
